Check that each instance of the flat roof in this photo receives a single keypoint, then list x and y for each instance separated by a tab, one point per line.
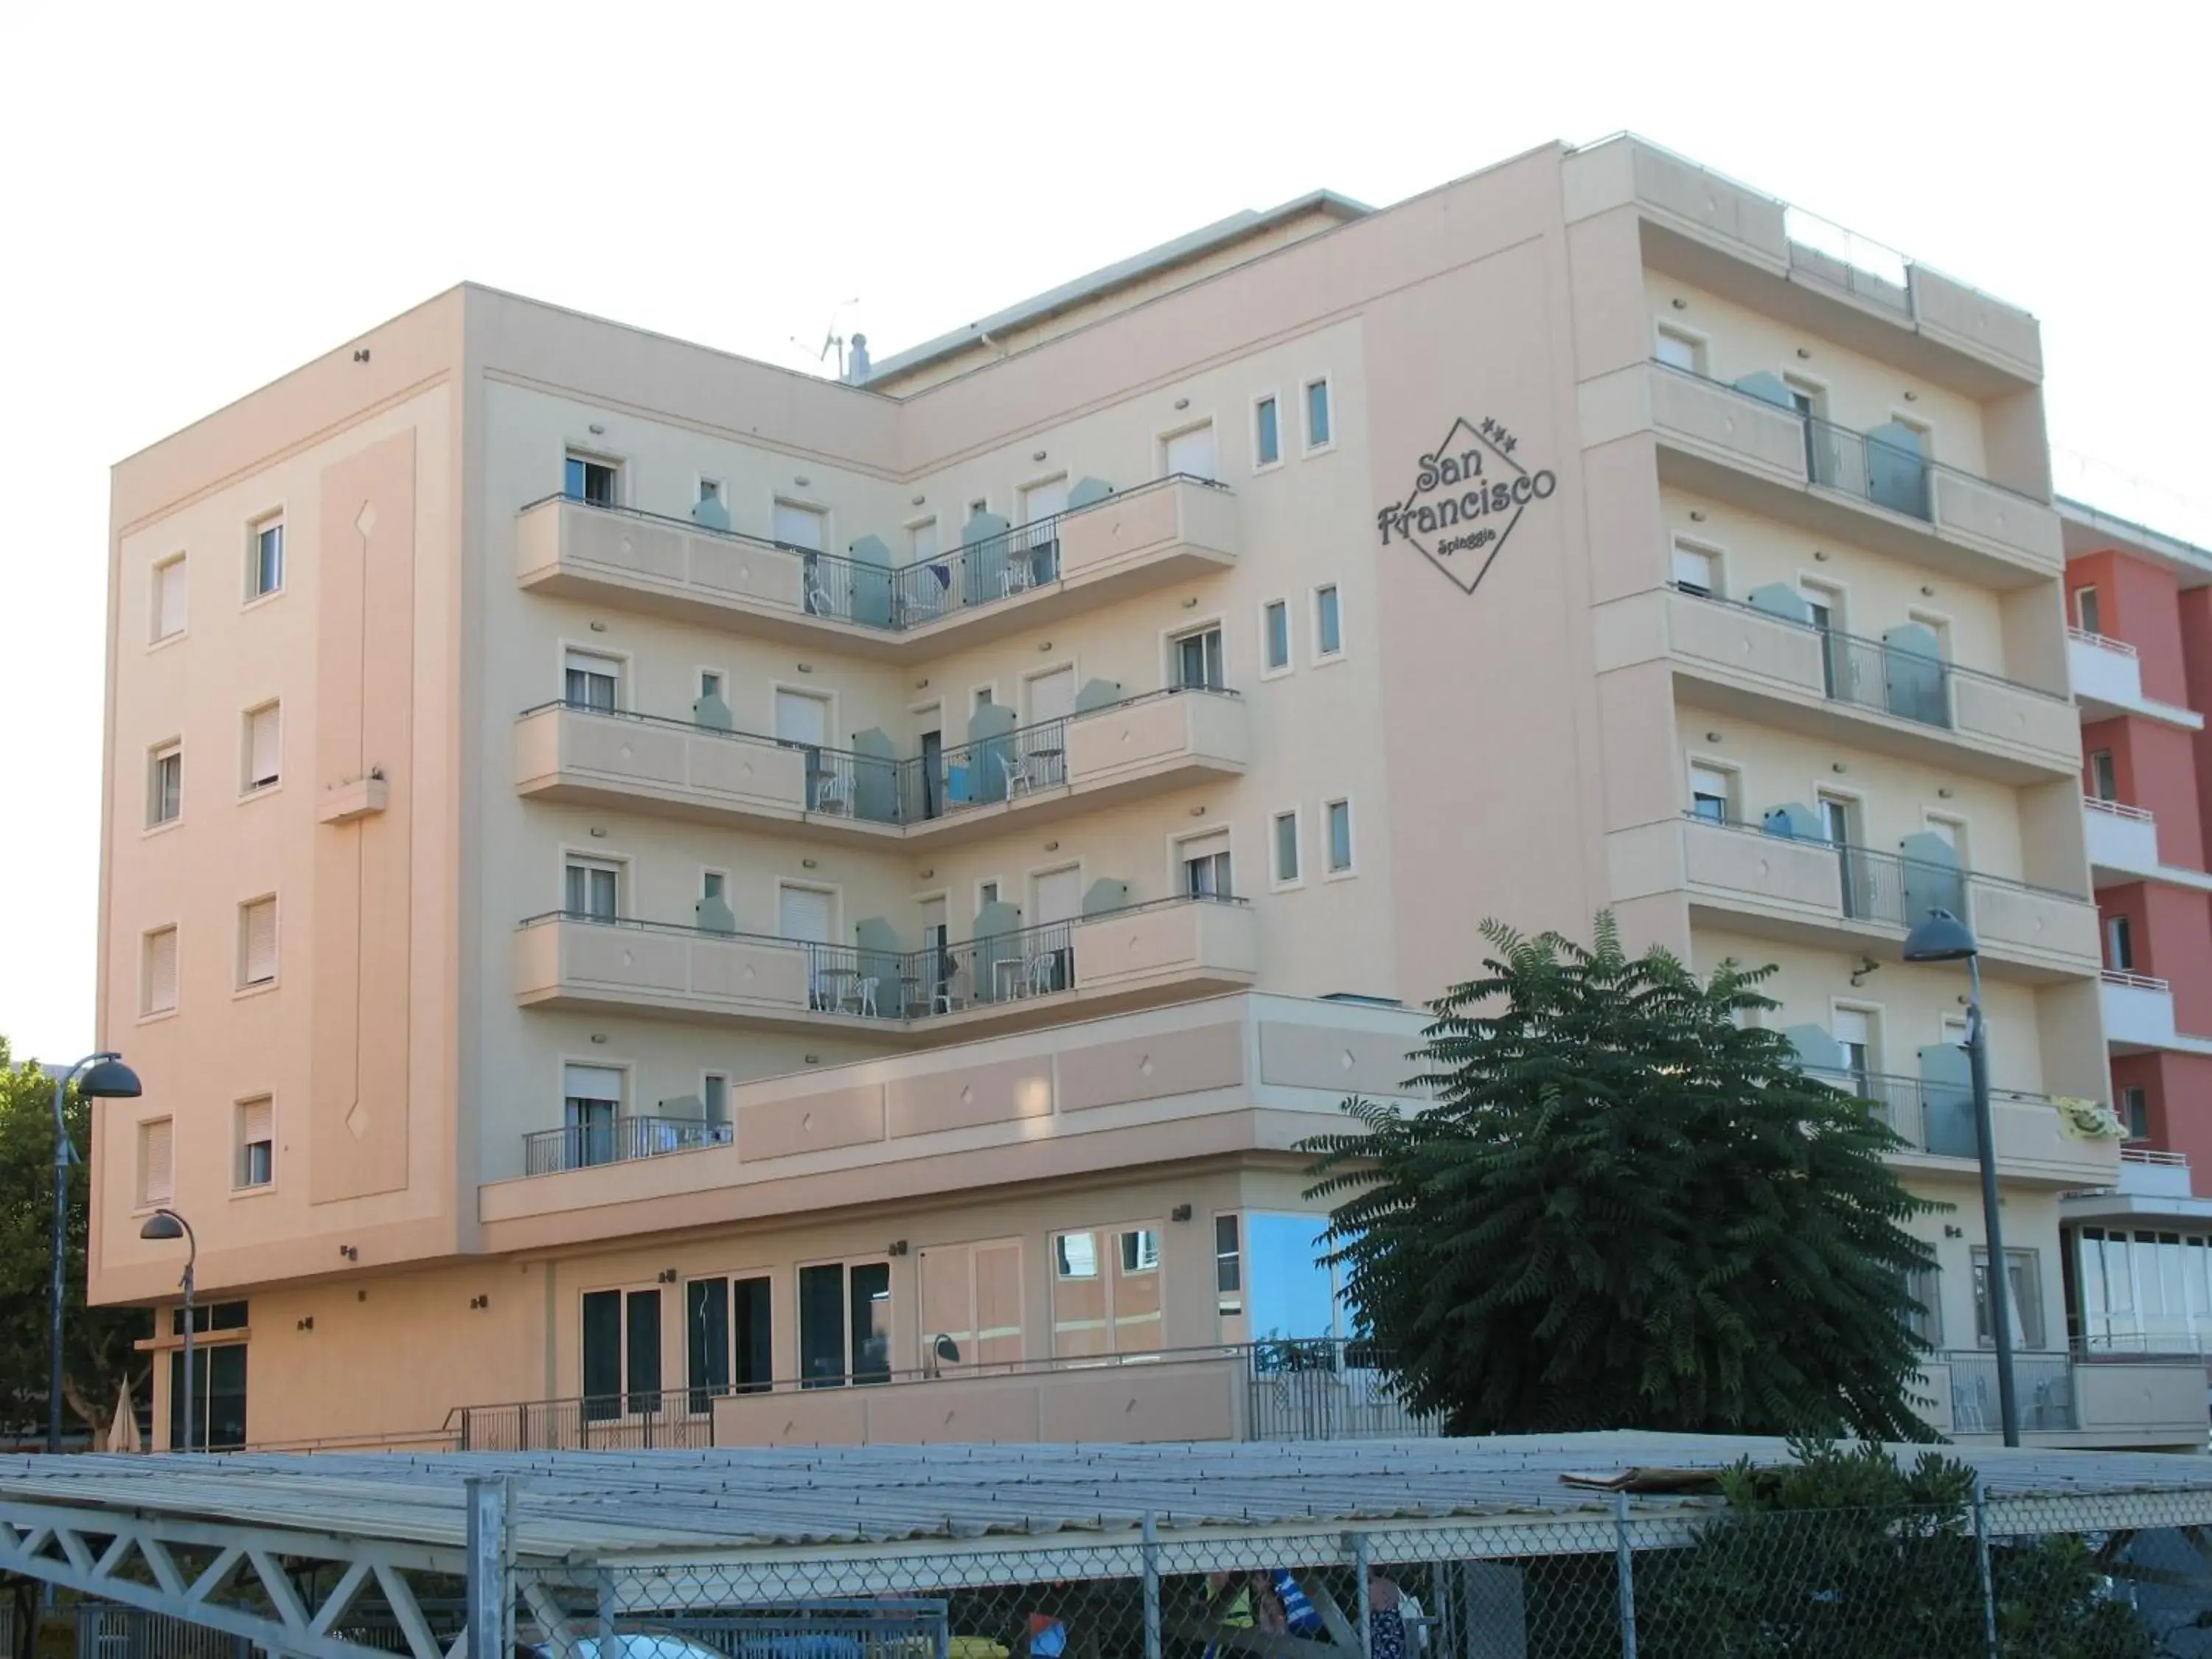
2087	529
730	1502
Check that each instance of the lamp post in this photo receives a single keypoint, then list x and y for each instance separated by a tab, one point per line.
168	1224
104	1077
1944	938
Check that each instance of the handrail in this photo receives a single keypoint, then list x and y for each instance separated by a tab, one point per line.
2156	1156
1852	1082
2140	982
1887	650
2119	810
1857	851
2102	641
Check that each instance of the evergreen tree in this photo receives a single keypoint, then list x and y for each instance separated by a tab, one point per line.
1625	1208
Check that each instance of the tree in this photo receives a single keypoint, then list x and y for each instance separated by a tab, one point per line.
97	1351
1625	1209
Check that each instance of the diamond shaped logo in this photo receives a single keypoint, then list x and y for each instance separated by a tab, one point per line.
1467	496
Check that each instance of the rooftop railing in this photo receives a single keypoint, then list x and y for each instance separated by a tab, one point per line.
897	598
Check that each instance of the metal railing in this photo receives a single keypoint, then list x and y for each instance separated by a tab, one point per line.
899	598
2102	641
2044	1383
2119	810
1927	1116
580	1145
1874	674
1891	889
1327	1388
2120	1347
2138	981
2156	1156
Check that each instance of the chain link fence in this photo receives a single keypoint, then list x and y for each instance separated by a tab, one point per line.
1670	1580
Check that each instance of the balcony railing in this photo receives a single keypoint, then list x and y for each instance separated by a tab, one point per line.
2043	1384
2102	641
2119	810
581	1145
1300	1388
2155	1157
2136	981
897	598
1928	1116
1874	674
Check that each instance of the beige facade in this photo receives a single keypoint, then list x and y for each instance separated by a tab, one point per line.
852	844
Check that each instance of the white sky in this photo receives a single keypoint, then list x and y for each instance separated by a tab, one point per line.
202	196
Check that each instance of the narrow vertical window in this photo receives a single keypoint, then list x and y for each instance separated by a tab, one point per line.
1320	433
1287	848
1329	623
1267	433
1276	622
165	784
1339	836
267	574
171	594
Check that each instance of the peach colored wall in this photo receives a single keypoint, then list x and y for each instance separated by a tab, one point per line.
2178	1094
2195	610
2139	603
2154	765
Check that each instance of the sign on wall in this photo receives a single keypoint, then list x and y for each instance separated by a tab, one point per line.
1466	497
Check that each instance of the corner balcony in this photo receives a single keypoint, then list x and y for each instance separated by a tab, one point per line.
1106	756
1130	541
2139	1017
2115	1403
1935	1118
1748	879
2108	679
1170	950
1765	663
2154	1188
1738	446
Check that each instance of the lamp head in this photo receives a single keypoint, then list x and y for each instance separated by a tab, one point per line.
162	1224
109	1079
1941	938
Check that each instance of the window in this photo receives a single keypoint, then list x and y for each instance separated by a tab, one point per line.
168	609
710	489
970	1297
710	686
1205	865
2089	614
1267	433
1189	454
1106	1291
1285	849
165	784
590	681
158	994
1228	1267
2024	1293
1924	1286
798	527
622	1353
157	1173
1696	571
844	1323
593	890
714	1092
257	1143
264	747
218	1397
588	478
1853	1030
267	574
1320	434
257	943
987	893
725	1338
711	884
1811	402
2120	945
1198	660
2103	776
1711	791
1682	351
1329	625
591	1102
1290	1290
922	542
2135	1111
1338	815
1275	623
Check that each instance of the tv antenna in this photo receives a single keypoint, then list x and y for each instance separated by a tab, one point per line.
831	339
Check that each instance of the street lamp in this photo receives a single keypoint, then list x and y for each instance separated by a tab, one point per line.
168	1224
1944	938
106	1077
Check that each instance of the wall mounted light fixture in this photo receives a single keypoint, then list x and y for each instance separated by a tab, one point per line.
599	628
1681	305
1181	1213
898	1247
596	430
1712	736
806	863
919	500
1802	352
1036	454
1183	402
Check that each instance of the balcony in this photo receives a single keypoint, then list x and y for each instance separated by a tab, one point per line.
1117	752
2150	1172
1165	951
1882	696
2139	1017
1318	1388
2154	1400
2108	679
1131	542
1935	1121
1738	446
1748	879
2123	840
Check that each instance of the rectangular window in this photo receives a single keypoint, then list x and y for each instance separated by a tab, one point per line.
641	1339
267	575
2120	944
922	542
590	681
714	1095
2103	776
1696	571
1338	815
1205	865
1924	1286
165	784
1198	660
2088	613
589	479
801	528
1277	623
602	1348
170	594
726	1334
1287	848
710	489
591	1102
593	890
970	1305
156	1172
256	1142
1106	1291
1853	1031
710	686
1711	790
1267	433
844	1323
2024	1291
159	995
218	1397
1189	454
2135	1111
257	943
1320	434
1329	625
264	747
1228	1265
1679	350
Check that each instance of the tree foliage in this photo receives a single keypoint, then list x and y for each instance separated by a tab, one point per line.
97	1351
1626	1209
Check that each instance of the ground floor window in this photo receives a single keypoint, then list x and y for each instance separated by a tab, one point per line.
844	1323
2142	1291
218	1397
1106	1290
726	1326
622	1353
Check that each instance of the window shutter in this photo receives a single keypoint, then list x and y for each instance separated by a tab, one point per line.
161	971
261	941
1205	847
169	599
262	749
593	1082
256	1122
155	1175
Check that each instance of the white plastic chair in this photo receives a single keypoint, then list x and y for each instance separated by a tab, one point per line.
862	996
1017	768
1016	575
947	996
1038	972
835	793
817	597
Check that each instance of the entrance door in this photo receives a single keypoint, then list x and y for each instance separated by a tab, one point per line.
1038	539
802	720
1058	906
805	913
1044	739
1836	822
